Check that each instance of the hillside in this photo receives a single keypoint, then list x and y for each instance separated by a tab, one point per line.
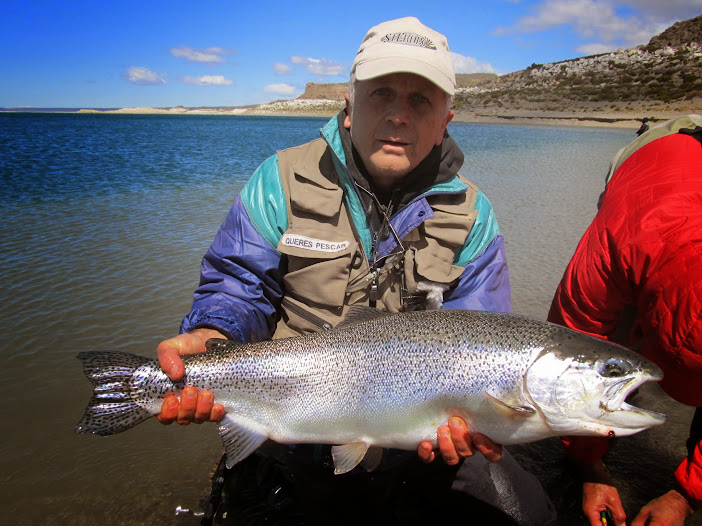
664	75
659	79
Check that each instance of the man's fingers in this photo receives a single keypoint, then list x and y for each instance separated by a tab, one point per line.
426	451
169	359
192	407
205	402
446	447
188	406
169	410
170	351
455	442
217	413
461	438
490	450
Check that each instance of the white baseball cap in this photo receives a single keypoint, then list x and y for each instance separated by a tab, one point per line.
405	45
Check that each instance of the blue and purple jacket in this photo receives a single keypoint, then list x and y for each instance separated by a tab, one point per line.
241	285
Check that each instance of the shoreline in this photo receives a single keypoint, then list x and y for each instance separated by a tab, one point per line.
327	109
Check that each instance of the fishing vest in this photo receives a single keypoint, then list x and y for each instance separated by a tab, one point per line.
327	268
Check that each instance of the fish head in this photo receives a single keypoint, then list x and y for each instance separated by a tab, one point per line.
580	384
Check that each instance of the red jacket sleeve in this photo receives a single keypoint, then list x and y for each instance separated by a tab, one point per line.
688	477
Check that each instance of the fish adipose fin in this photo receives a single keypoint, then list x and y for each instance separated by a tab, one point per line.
348	456
510	410
361	313
239	439
214	344
111	409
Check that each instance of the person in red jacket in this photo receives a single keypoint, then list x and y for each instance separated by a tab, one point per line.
636	278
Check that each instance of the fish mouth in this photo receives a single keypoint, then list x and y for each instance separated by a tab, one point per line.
617	403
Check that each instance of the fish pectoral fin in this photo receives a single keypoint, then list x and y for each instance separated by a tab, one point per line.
240	439
348	456
511	409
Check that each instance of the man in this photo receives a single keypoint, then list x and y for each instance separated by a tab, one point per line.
373	213
643	128
636	278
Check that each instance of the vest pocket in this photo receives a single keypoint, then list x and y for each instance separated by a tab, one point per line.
318	269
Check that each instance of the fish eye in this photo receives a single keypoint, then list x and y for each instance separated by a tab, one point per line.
612	369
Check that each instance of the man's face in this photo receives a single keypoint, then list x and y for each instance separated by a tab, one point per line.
395	122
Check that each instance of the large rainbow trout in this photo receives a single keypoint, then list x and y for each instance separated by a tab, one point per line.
390	380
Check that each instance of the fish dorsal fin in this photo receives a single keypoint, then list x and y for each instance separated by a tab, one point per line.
361	313
240	439
348	456
511	410
214	344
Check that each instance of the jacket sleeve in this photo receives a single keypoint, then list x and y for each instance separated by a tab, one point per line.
240	276
590	296
688	476
484	283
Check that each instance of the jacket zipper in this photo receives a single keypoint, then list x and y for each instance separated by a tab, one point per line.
306	315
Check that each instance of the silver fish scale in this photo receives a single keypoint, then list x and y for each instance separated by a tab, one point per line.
365	375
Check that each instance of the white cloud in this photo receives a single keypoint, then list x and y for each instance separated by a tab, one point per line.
319	66
280	89
602	23
595	49
210	55
463	64
670	9
281	69
208	80
144	77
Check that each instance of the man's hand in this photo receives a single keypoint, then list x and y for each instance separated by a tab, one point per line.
670	509
456	442
599	494
193	406
170	351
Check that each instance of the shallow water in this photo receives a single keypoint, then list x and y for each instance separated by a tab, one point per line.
105	219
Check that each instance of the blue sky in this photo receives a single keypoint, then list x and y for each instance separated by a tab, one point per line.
96	54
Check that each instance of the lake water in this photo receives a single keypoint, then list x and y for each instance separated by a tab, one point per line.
104	221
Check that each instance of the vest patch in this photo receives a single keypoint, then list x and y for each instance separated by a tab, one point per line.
309	243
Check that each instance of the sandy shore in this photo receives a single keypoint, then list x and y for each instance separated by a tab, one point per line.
327	108
606	120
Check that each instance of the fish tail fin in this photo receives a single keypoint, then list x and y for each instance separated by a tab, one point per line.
111	409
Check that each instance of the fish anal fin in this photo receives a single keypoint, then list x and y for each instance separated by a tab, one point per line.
510	410
348	456
240	439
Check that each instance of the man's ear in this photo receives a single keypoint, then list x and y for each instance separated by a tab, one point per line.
347	119
447	119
